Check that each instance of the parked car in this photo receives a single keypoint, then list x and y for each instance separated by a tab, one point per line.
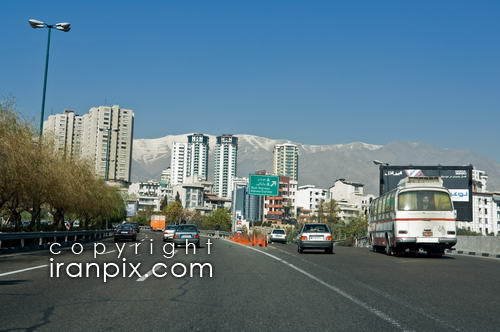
277	235
125	232
315	236
187	233
168	233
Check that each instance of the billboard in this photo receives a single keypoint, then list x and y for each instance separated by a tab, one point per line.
457	179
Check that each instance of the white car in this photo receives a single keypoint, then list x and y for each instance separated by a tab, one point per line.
168	233
315	236
277	235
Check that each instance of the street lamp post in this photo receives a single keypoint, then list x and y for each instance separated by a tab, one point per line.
35	24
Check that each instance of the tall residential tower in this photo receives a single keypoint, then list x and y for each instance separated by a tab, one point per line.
286	160
107	141
197	156
225	157
66	131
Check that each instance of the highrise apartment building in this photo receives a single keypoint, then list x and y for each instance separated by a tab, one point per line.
107	141
197	156
103	136
286	160
225	157
66	131
178	164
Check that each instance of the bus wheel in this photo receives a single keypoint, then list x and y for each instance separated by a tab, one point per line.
388	249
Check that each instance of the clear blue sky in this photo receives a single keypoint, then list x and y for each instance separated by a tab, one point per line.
317	72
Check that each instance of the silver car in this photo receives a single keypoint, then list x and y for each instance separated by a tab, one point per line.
315	236
186	234
168	233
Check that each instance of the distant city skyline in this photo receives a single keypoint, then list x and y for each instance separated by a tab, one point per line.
314	73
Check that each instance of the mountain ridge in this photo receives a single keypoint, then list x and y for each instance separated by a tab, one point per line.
319	165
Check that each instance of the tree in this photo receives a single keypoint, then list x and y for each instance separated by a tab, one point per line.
219	219
174	212
356	228
164	203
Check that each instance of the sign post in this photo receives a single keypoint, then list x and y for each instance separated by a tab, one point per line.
263	185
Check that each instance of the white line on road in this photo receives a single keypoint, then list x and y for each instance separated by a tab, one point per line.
147	275
378	313
143	240
23	270
150	273
109	252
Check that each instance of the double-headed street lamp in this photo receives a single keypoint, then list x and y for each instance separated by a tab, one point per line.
35	24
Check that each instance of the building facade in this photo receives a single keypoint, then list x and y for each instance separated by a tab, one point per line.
178	164
225	161
486	214
66	131
279	208
197	156
107	141
308	198
286	160
103	136
350	198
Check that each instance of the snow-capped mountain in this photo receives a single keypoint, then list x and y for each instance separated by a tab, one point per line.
318	164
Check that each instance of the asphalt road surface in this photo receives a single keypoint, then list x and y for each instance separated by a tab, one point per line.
252	288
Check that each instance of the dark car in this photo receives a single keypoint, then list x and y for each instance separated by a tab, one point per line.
125	232
187	233
135	225
315	236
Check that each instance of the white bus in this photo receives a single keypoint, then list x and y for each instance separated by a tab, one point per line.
416	216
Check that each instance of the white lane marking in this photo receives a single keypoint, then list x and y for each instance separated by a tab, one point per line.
109	252
147	275
364	305
150	272
386	295
143	240
24	270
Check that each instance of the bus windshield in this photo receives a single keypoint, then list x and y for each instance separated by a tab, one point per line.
424	200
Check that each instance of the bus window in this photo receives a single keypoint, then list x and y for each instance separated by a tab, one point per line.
424	200
391	201
379	208
387	206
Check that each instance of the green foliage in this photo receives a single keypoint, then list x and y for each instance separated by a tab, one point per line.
174	212
35	178
465	232
219	219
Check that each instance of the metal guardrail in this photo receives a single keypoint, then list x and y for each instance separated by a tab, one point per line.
48	237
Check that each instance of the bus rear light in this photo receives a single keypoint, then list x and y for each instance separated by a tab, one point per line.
402	232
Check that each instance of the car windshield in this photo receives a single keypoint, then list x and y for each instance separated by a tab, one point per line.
424	200
187	228
313	228
170	227
124	227
278	231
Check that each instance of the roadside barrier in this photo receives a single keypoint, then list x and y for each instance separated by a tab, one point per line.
38	240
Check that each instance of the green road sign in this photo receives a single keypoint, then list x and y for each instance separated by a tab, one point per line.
264	185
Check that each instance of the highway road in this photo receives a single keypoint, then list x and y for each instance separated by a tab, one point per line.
252	288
